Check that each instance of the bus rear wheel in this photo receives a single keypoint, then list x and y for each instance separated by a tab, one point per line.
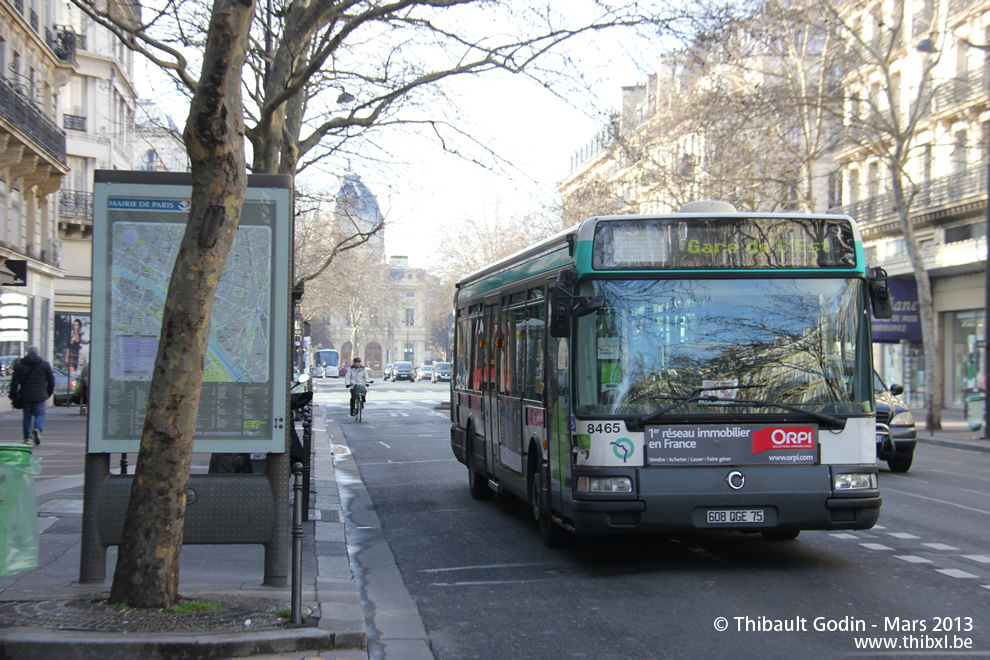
477	482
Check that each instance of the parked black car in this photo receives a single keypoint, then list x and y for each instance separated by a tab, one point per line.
402	371
897	448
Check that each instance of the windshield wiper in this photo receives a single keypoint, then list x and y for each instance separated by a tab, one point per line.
695	395
824	418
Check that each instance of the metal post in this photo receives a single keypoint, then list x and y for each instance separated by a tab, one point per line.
93	554
307	443
297	533
277	473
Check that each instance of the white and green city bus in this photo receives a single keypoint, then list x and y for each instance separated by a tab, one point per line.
707	369
326	363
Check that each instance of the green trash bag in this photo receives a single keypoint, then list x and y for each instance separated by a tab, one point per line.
18	509
974	410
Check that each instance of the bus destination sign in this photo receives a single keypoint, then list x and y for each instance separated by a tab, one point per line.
712	243
731	444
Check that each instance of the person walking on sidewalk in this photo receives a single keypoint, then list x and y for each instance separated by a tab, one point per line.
34	381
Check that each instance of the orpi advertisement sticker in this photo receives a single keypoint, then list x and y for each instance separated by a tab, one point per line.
732	444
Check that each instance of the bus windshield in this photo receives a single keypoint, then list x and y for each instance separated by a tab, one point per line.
326	356
801	342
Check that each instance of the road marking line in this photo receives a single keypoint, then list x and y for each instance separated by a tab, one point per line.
955	572
983	559
903	535
483	567
430	460
383	445
941	546
914	559
935	499
844	535
488	583
876	546
960	474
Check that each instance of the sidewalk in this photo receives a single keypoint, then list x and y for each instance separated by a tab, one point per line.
954	432
46	612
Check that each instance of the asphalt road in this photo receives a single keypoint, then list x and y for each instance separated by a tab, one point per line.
449	577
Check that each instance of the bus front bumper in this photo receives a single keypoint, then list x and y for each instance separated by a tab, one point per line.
679	500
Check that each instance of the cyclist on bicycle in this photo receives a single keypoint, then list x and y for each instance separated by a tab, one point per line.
356	373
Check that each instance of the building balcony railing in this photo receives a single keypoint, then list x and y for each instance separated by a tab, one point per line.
74	122
25	115
956	91
63	41
76	204
967	186
957	7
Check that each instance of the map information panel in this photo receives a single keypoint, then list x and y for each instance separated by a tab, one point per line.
243	390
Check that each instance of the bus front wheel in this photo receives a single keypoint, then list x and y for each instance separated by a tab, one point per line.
552	534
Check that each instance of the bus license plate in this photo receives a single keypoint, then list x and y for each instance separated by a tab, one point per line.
734	516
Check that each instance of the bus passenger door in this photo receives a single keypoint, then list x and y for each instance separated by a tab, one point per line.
559	418
489	385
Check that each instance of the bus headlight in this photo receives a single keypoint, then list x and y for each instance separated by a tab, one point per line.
604	485
854	481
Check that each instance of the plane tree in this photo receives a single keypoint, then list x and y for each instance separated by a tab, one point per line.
298	81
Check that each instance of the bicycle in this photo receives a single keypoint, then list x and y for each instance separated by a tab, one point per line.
360	392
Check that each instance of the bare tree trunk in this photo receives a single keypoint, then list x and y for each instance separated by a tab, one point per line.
147	573
926	312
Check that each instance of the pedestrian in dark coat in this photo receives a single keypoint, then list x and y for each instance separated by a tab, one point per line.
34	380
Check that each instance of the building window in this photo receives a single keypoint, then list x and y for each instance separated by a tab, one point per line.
410	317
408	353
965	232
968	354
150	162
959	152
74	108
834	190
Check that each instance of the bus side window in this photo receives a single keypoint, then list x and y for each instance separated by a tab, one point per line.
517	331
462	353
477	353
535	332
507	354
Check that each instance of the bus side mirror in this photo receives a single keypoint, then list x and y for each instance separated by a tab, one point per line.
883	304
560	317
566	305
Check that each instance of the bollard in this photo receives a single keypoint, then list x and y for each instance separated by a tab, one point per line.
307	443
297	532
